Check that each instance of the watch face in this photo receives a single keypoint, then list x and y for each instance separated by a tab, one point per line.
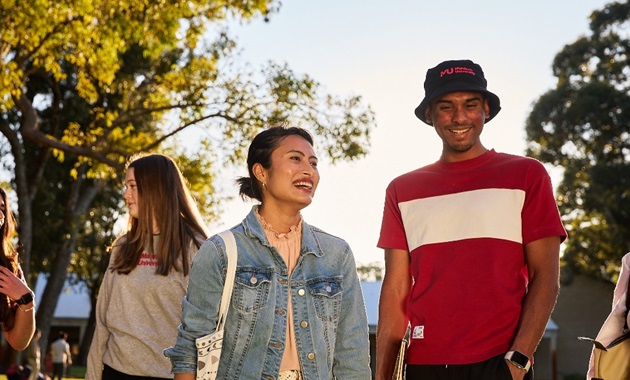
519	359
27	298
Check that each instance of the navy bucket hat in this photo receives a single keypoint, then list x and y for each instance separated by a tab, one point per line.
452	76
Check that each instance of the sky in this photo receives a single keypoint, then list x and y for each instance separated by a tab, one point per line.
381	51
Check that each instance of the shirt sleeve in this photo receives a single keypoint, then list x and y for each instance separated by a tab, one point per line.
351	359
540	214
94	370
392	228
200	306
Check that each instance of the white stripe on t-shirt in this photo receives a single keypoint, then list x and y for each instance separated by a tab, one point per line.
484	213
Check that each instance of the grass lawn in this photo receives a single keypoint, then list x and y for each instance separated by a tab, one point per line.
73	372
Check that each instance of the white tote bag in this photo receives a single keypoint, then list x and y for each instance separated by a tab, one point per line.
209	346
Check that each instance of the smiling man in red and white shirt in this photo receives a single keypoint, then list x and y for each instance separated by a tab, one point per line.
471	246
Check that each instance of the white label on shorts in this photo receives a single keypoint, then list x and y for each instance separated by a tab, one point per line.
418	332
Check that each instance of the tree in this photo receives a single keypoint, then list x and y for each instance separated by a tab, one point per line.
583	125
371	271
83	85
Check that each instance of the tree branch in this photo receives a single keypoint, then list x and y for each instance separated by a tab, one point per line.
31	132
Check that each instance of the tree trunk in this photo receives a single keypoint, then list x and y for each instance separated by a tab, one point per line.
24	198
29	120
86	340
77	207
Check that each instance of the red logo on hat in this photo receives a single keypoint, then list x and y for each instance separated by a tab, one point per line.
457	70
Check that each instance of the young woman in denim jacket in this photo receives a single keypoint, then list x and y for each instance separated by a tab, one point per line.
297	310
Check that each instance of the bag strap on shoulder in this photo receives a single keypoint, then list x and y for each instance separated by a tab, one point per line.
231	252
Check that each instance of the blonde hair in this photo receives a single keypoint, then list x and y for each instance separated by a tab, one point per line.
163	197
9	259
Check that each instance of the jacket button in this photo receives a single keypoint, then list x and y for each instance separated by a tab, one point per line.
253	280
304	324
301	292
310	356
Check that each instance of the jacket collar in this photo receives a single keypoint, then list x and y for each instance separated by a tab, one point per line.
254	229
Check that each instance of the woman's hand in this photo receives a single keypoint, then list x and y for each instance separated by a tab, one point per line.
22	332
11	285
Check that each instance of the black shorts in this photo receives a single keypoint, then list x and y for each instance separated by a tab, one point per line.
111	374
495	368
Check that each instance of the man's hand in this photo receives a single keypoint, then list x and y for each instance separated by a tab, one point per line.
517	373
392	321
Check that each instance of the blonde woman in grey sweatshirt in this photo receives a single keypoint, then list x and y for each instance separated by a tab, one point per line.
139	302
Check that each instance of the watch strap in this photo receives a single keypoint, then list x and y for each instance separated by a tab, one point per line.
25	299
519	360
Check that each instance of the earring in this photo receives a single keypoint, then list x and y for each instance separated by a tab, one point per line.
263	185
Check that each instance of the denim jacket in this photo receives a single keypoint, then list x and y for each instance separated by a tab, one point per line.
329	314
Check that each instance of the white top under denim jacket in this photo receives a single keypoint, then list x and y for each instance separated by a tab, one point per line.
612	327
329	313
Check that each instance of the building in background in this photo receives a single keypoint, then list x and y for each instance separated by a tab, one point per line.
71	315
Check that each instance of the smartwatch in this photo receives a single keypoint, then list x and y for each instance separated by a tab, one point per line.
519	360
25	299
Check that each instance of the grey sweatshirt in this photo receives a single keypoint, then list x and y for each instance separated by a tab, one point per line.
137	316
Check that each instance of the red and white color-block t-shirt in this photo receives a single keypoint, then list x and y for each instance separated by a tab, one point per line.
465	225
